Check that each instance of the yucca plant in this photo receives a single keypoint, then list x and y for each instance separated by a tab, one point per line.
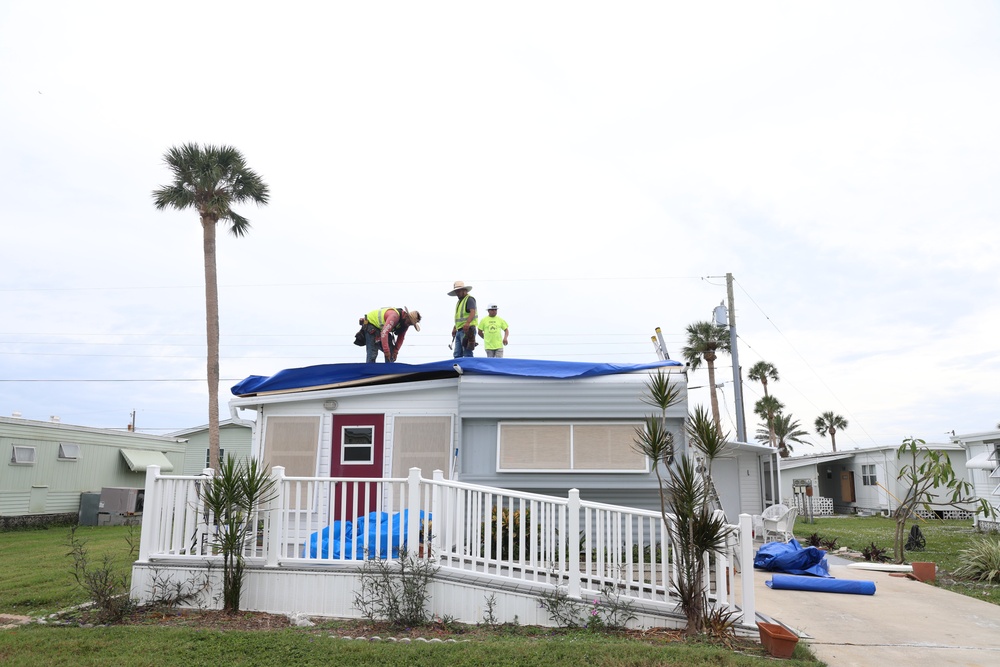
981	560
695	529
233	496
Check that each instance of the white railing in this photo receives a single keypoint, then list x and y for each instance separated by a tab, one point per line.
497	533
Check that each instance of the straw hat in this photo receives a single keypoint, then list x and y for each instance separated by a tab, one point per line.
459	285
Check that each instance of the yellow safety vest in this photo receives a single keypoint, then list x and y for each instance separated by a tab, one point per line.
377	317
461	313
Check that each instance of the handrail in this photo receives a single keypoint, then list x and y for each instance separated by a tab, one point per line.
568	542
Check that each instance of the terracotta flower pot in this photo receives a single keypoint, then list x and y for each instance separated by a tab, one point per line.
777	639
925	572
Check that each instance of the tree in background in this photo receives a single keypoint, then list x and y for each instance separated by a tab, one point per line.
768	408
785	430
211	179
828	424
931	483
703	340
761	372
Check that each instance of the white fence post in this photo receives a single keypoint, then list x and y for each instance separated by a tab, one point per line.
150	509
573	543
746	567
275	519
438	512
413	512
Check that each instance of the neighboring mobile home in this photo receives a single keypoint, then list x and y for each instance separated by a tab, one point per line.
535	426
983	471
49	464
861	481
234	439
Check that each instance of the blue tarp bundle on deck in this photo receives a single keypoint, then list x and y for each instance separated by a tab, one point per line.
792	558
334	375
349	537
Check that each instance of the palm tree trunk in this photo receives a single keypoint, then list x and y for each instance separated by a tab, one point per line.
715	399
833	438
208	226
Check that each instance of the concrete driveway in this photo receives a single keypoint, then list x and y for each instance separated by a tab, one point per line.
906	622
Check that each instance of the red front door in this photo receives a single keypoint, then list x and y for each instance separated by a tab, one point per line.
356	452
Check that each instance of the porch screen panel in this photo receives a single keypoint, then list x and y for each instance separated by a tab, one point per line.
535	447
292	442
606	447
421	442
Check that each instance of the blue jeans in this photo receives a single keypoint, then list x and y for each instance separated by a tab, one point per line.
460	350
373	344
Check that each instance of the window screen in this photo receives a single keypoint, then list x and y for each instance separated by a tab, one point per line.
606	447
534	447
592	447
292	442
421	442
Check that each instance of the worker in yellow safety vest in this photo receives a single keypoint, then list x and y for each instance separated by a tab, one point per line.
385	329
464	331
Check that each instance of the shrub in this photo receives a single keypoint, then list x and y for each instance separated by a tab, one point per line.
396	592
982	560
107	582
813	540
874	553
828	544
500	535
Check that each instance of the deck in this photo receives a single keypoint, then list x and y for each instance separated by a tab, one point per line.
488	543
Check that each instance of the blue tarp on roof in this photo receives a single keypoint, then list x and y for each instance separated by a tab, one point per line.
330	375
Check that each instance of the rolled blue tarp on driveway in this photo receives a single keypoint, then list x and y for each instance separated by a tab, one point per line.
790	582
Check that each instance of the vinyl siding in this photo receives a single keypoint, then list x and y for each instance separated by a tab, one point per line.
100	464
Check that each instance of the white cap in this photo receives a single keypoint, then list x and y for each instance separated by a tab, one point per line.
492	306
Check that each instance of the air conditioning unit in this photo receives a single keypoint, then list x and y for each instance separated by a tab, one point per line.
121	500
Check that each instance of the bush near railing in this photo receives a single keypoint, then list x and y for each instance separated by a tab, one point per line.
650	553
509	524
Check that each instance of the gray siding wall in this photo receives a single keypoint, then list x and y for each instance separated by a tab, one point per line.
484	401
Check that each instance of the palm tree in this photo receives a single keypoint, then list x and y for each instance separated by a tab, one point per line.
761	372
786	431
828	424
703	339
211	179
768	408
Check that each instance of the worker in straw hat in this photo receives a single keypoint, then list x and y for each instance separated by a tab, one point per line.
385	329
464	331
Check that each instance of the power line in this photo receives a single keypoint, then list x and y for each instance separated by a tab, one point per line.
808	365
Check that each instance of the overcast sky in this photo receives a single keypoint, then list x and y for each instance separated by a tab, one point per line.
594	168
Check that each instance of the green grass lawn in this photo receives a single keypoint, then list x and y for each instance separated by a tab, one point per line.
945	542
37	571
37	581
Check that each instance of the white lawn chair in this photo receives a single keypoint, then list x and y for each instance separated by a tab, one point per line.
779	529
771	512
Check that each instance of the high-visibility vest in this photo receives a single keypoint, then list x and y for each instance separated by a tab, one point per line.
461	313
377	317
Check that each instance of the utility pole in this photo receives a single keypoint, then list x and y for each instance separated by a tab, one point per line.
741	422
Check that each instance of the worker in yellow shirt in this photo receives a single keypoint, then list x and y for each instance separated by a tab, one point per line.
494	331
